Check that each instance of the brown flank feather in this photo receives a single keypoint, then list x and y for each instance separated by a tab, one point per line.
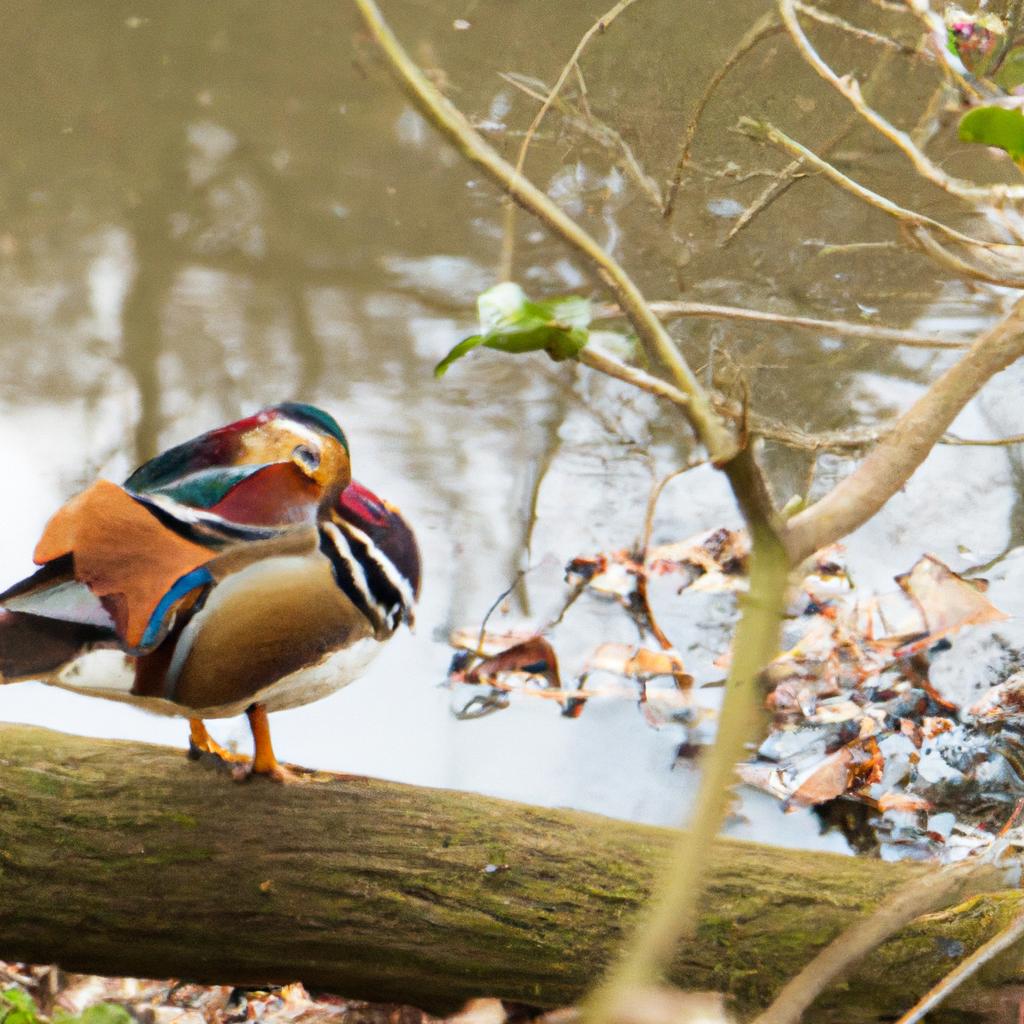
121	552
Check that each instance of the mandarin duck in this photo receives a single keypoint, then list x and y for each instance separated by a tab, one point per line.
243	570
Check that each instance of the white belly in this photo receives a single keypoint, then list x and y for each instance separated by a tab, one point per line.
111	675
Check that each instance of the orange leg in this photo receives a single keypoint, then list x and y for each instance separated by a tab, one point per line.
264	762
201	742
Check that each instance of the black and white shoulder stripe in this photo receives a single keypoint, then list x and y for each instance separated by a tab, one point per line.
367	576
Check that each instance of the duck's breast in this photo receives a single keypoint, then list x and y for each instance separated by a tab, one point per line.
279	632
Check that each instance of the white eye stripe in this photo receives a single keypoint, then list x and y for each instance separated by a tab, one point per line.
309	437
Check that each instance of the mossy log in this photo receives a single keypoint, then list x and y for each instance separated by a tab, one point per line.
123	858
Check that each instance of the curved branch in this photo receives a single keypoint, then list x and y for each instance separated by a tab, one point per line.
709	427
764	27
856	499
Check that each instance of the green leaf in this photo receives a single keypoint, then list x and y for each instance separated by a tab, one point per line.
1001	127
510	322
17	1007
105	1013
101	1013
457	353
951	43
18	1000
500	305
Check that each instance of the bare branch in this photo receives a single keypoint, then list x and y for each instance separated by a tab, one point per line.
762	130
918	897
847	87
997	275
842	328
992	442
670	914
683	681
595	129
599	26
764	27
1011	934
827	18
847	442
857	498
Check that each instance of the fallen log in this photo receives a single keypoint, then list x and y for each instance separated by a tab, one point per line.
124	858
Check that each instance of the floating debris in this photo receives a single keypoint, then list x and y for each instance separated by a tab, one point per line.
855	716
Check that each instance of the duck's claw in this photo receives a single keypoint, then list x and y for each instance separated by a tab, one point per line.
276	773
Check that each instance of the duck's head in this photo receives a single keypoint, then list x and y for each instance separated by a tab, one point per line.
281	464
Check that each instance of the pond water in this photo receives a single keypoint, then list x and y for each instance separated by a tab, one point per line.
206	212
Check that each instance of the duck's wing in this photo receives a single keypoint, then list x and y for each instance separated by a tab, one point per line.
47	620
141	571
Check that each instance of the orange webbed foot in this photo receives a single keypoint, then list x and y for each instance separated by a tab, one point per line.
264	762
201	744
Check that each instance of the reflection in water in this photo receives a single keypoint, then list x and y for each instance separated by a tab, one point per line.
206	213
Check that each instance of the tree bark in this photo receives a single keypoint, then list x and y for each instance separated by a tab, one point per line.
123	858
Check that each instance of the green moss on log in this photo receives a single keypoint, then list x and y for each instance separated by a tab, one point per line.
124	858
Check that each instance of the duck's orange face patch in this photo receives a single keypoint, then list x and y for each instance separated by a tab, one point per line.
121	552
277	494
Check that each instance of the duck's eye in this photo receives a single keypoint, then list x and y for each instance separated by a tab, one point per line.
306	457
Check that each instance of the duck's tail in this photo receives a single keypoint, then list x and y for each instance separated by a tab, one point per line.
47	620
31	646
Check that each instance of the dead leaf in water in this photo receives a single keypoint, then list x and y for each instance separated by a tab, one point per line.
946	601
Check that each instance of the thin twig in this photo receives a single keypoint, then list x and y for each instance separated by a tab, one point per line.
932	247
683	680
599	26
826	18
928	893
608	364
841	328
709	427
794	171
764	131
840	442
1011	934
992	442
845	442
597	130
764	27
786	179
847	87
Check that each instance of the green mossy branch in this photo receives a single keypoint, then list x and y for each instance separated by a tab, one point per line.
123	858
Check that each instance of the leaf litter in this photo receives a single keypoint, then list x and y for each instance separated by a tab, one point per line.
854	716
32	994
